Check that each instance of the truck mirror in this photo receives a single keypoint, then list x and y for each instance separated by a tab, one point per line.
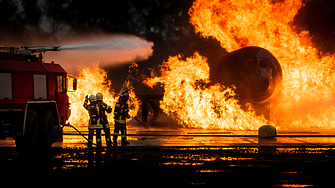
75	84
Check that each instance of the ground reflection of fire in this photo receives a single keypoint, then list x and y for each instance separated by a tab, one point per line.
92	80
306	98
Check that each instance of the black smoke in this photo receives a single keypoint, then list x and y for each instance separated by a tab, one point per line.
318	17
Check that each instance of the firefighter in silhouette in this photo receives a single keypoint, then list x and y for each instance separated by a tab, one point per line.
95	121
120	116
103	109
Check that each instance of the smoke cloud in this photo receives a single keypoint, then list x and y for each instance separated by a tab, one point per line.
106	50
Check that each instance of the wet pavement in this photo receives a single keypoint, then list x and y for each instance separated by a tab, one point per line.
143	135
192	137
163	155
155	136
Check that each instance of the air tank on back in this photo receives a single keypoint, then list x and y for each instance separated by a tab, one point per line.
254	71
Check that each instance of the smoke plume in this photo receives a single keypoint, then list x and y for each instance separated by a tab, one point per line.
105	50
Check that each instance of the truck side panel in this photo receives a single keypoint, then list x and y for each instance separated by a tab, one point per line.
52	87
40	87
6	86
23	82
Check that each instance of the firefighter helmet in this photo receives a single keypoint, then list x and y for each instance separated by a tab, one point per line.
92	98
99	96
125	96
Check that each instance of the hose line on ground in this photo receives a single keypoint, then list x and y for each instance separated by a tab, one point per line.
69	125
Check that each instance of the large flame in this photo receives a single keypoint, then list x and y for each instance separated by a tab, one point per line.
92	80
195	105
306	98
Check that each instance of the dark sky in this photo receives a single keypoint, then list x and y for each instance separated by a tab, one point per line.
165	23
318	17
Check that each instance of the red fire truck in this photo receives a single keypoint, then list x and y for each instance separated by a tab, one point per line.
34	104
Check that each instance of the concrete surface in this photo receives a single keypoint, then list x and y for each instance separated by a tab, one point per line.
165	135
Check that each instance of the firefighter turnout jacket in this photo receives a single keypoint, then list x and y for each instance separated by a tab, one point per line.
103	107
95	121
121	113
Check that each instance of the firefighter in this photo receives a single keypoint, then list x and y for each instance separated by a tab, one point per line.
103	109
120	116
95	122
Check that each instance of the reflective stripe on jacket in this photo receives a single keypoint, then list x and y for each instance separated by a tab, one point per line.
103	109
95	121
121	121
97	126
121	113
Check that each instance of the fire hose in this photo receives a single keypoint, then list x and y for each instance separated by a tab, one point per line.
69	125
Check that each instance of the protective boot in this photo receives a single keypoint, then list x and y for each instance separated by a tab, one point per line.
114	142
99	145
108	143
115	139
123	140
89	144
108	138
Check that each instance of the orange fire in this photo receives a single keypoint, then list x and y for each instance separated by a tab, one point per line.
193	104
92	80
307	94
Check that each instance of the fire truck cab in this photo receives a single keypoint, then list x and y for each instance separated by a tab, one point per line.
33	98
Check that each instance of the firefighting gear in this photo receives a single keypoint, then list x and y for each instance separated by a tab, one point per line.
93	109
120	116
95	121
121	113
98	137
124	96
121	108
92	98
99	96
117	128
86	102
103	109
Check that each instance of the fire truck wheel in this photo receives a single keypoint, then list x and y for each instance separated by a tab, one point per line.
45	122
31	130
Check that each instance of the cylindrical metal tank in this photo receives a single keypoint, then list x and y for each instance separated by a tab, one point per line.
254	71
